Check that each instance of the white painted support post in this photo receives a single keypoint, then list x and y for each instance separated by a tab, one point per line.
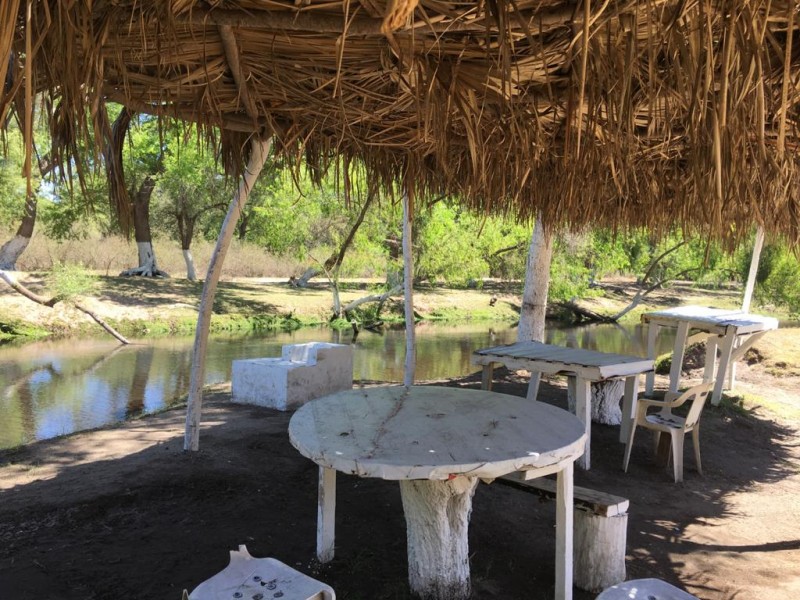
725	351
564	524
681	333
751	275
629	406
652	335
258	156
326	514
408	281
580	389
437	519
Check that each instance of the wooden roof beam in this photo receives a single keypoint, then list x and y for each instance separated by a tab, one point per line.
235	65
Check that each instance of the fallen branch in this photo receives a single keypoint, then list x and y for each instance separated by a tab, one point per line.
373	298
21	289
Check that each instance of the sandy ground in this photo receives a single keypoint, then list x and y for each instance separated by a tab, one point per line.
125	513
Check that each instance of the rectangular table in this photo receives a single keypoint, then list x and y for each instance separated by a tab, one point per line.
733	331
582	367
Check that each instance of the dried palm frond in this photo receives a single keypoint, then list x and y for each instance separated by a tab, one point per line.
615	112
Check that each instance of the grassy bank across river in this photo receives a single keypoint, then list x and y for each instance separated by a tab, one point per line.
143	306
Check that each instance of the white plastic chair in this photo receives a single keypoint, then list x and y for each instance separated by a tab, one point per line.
665	421
645	589
262	578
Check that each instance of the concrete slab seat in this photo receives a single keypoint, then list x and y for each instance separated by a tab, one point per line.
601	528
302	373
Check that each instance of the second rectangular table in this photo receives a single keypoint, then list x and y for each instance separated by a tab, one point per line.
582	367
733	331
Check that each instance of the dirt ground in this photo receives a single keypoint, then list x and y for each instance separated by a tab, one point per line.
125	513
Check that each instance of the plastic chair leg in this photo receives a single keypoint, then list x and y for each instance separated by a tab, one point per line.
677	454
696	445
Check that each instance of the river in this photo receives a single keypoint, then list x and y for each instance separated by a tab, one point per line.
58	387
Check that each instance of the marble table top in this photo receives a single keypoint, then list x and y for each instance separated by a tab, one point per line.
427	432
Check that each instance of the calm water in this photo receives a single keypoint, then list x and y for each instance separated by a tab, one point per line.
52	388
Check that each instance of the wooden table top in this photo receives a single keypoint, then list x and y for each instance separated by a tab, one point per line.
702	317
552	359
427	432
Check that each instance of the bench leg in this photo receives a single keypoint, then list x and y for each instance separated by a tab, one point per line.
533	386
486	377
326	514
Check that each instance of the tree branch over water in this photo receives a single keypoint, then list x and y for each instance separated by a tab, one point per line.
50	303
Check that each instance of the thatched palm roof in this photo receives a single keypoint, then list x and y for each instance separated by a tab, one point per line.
608	111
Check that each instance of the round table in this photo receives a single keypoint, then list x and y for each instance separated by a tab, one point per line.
438	442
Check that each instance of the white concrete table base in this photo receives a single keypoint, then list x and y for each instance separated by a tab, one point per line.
733	331
438	442
582	367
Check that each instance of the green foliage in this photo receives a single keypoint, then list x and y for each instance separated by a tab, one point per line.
66	281
778	278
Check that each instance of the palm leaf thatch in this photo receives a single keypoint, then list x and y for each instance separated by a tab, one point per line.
614	112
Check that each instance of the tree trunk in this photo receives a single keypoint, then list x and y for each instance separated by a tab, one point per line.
258	155
335	260
606	396
537	282
141	228
191	274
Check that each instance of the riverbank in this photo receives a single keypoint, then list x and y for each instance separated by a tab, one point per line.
123	512
139	306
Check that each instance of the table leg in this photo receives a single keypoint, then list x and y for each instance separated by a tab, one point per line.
677	355
628	406
533	385
326	514
582	392
486	377
437	519
711	358
725	351
564	517
650	378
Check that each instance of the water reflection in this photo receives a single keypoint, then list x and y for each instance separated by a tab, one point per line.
53	388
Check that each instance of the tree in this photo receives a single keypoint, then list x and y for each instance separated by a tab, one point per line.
189	188
130	194
11	189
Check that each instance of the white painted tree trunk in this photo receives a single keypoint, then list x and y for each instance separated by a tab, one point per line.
606	397
147	263
191	274
534	295
437	519
258	155
537	282
11	251
599	550
408	279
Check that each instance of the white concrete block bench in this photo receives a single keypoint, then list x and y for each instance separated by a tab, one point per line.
600	533
302	373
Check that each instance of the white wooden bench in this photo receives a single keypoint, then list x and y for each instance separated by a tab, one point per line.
600	532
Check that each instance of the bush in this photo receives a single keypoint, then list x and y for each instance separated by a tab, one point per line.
66	281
